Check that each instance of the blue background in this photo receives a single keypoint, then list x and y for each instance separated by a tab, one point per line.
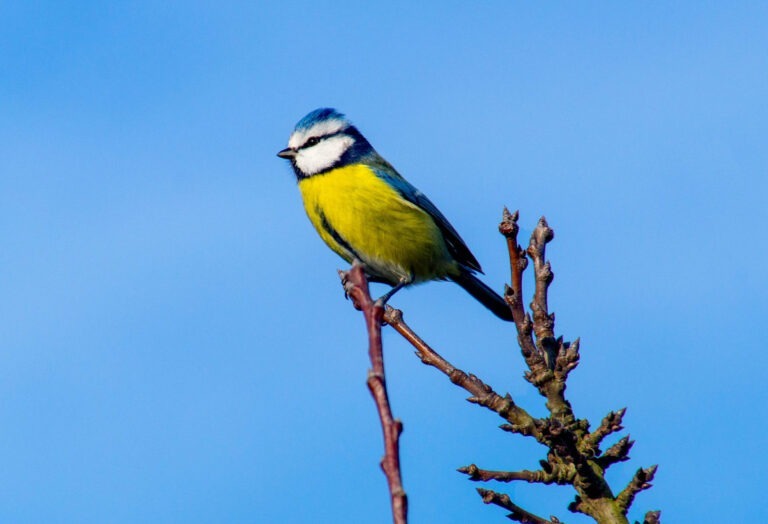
174	344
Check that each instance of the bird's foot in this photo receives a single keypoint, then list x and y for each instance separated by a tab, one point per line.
344	276
383	299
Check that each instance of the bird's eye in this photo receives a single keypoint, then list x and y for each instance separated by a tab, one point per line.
312	141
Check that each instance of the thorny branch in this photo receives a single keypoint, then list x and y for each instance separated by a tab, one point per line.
574	456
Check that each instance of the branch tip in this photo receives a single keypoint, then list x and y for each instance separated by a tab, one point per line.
517	513
640	482
651	517
508	226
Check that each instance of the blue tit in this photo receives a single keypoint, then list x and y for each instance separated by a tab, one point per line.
364	210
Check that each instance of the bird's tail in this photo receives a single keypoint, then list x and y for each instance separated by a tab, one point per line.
483	294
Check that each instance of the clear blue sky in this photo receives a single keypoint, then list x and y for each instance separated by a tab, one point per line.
174	344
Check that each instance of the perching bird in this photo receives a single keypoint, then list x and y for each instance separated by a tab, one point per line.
364	210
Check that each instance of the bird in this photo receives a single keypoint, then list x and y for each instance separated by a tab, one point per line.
368	213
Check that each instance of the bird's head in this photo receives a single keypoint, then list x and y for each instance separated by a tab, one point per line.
322	140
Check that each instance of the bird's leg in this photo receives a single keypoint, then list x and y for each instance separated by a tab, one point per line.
382	300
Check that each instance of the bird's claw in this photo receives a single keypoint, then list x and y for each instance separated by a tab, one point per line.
344	275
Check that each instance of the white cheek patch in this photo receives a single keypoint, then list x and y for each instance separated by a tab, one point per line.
323	155
327	127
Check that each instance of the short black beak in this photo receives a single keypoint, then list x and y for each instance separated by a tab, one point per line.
287	153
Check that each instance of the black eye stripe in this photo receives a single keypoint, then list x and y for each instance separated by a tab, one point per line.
317	139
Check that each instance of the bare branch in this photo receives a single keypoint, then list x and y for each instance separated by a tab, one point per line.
516	512
554	475
517	262
356	286
542	356
543	322
619	452
482	394
641	481
567	358
514	295
611	423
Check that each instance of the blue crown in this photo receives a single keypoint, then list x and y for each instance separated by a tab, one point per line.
319	115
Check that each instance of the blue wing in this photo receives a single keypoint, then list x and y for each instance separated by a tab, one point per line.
456	246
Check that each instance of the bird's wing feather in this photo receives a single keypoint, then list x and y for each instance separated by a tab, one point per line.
457	247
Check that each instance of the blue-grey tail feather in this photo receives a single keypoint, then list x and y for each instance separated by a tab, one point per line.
483	294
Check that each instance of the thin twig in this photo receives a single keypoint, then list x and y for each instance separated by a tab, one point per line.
557	475
516	512
549	361
517	263
619	452
641	481
356	286
611	423
543	322
514	295
520	421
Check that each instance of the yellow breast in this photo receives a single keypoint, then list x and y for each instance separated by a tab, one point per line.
360	216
